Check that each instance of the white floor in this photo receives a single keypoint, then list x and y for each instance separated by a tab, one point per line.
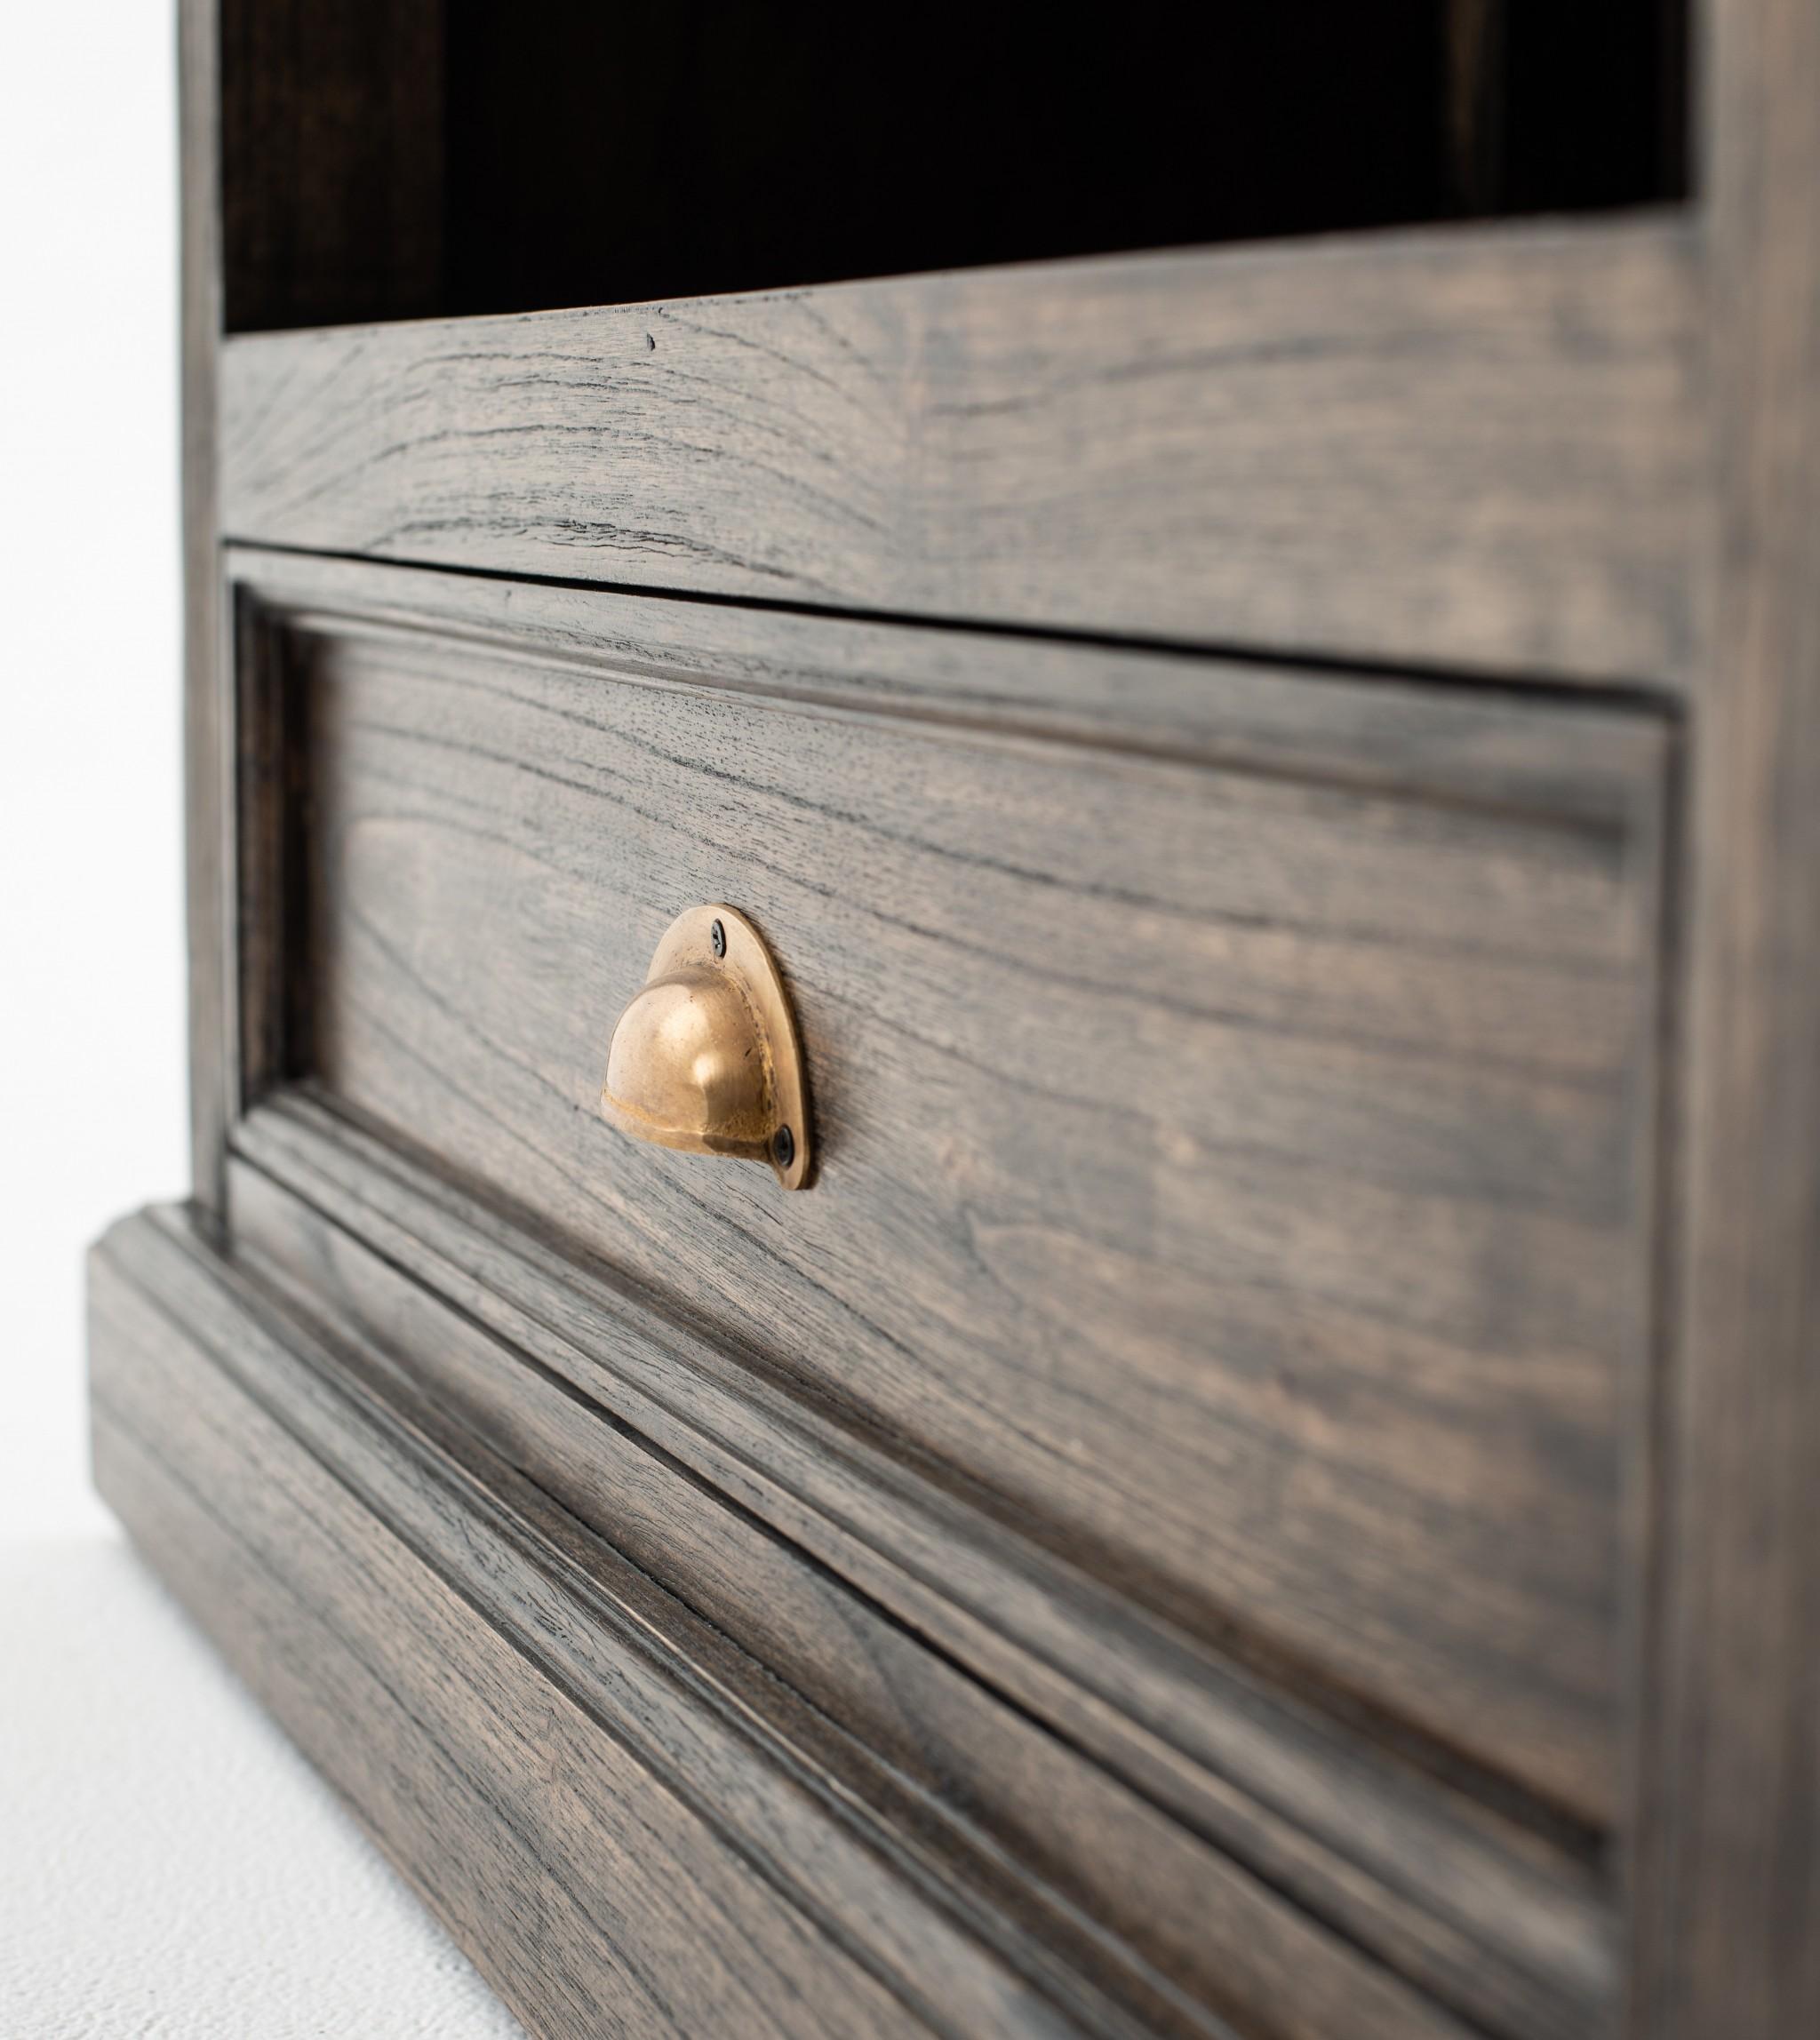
169	1866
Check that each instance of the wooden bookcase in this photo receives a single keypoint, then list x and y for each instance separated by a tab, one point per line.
1237	599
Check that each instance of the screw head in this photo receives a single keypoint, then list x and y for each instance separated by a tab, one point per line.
717	934
784	1147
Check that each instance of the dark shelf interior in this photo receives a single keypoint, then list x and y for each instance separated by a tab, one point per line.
403	158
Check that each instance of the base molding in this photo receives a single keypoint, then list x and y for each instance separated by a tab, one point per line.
627	1821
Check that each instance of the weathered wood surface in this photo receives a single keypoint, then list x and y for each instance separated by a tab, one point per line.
620	1416
1288	1142
632	1824
1565	453
1729	1811
1472	446
1320	728
1481	745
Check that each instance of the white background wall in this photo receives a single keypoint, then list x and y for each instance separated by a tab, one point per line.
168	1863
92	1056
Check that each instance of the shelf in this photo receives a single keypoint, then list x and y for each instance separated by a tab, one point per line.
415	158
1470	447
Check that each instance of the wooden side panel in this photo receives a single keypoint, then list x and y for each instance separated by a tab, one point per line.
1476	447
1235	1182
208	728
1730	1917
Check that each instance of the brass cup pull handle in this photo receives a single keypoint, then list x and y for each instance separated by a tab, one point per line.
706	1058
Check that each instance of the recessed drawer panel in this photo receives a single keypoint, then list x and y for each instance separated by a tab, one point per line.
1232	1093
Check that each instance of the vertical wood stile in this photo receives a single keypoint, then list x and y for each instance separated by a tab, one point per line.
1729	1902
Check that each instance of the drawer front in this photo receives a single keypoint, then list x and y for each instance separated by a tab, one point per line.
1233	1095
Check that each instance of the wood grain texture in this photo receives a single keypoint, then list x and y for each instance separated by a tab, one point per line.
631	1825
1406	1863
1486	745
1731	1811
1288	1140
1476	447
1084	1861
613	1409
1283	1572
460	1756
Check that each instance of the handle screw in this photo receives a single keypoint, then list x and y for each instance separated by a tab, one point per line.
717	934
783	1146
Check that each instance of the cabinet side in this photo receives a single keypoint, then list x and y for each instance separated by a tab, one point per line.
1729	1900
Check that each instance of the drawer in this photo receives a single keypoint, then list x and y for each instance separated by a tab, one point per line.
1234	1090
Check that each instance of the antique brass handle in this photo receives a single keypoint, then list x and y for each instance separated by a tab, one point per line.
705	1057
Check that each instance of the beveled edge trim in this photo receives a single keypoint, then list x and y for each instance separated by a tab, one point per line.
1319	1809
1469	446
203	1378
593	1626
1500	749
1044	1828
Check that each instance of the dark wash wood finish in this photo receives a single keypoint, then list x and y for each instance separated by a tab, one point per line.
470	1514
1277	1267
541	1723
1730	1917
1447	1891
342	1622
1430	448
